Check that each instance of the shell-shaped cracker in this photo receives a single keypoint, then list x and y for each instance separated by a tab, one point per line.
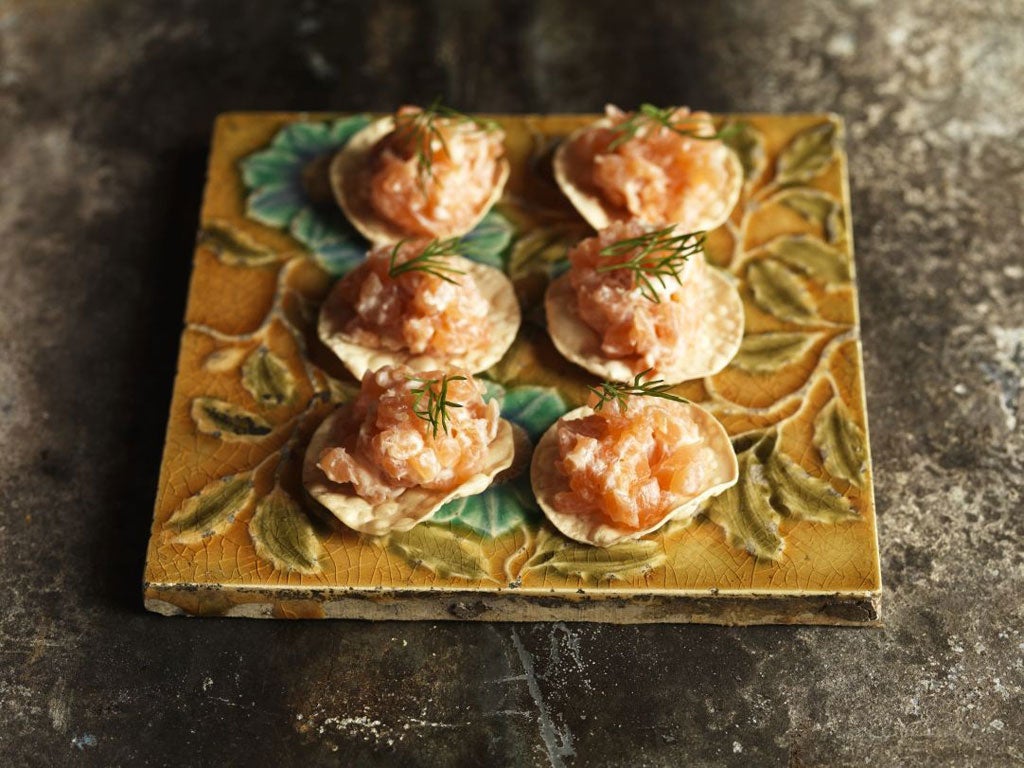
548	481
718	343
504	318
349	174
412	506
599	213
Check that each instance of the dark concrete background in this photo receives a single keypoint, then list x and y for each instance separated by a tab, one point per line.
105	111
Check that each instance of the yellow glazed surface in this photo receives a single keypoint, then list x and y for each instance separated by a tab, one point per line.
235	533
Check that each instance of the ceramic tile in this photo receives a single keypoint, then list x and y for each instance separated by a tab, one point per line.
235	534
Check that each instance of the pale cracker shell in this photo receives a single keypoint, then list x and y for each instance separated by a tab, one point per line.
350	188
504	319
412	506
548	481
599	214
581	344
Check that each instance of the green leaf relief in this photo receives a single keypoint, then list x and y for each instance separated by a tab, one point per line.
760	438
772	485
283	535
302	138
802	496
494	512
533	408
817	207
267	167
234	248
541	251
779	292
841	442
547	543
226	420
492	390
343	129
267	378
768	352
487	242
212	509
808	154
810	256
745	512
596	564
275	204
441	551
334	244
748	144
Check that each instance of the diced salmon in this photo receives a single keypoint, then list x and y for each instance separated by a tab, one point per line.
631	468
385	447
658	176
415	310
448	196
629	324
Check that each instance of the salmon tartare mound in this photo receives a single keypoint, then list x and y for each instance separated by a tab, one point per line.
421	304
636	298
421	173
653	166
645	329
395	455
606	476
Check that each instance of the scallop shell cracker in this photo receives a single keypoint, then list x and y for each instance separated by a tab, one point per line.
714	349
504	319
349	182
548	481
599	213
413	505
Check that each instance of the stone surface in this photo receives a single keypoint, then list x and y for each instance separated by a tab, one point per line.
105	109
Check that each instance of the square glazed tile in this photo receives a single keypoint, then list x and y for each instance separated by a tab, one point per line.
235	534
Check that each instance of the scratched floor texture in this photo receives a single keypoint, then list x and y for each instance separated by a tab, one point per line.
105	111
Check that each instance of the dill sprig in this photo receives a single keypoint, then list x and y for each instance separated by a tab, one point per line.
620	392
658	254
423	130
436	409
648	114
433	260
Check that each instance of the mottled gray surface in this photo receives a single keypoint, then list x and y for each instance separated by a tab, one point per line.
105	109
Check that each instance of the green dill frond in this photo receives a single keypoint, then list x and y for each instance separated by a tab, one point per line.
433	260
620	392
435	392
655	255
648	114
423	130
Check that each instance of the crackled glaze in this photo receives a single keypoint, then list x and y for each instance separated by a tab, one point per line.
234	533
